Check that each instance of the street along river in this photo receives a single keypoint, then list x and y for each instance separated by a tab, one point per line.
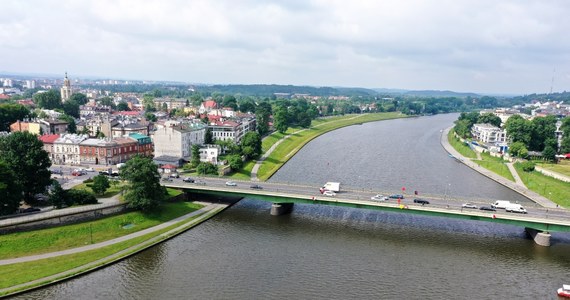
320	252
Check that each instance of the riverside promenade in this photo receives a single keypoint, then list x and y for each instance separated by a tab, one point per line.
515	186
185	222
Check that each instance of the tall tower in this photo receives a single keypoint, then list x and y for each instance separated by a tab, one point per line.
66	90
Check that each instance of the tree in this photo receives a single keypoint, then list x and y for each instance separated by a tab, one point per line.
79	197
24	154
549	153
518	149
143	190
251	140
100	184
304	120
79	98
148	103
71	126
247	105
150	116
10	191
235	162
71	108
195	155
123	106
10	113
230	101
164	106
107	101
489	118
528	166
48	100
565	145
543	129
208	137
262	118
280	119
57	196
204	168
518	129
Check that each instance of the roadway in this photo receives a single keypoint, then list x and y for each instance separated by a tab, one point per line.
363	196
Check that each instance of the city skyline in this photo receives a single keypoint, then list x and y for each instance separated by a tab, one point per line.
465	46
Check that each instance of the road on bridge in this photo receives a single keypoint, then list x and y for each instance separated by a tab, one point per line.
312	192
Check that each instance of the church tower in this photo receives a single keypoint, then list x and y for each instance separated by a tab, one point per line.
66	90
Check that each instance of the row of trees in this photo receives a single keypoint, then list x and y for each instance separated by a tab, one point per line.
524	135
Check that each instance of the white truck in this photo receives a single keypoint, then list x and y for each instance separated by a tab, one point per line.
513	207
332	186
500	204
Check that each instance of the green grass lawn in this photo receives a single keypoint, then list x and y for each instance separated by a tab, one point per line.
70	236
459	146
496	165
114	189
563	167
553	189
291	145
14	274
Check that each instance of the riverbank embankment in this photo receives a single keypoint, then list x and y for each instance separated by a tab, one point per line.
499	179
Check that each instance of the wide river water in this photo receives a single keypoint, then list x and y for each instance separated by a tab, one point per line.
321	252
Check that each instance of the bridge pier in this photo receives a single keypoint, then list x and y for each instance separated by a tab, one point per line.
278	209
542	238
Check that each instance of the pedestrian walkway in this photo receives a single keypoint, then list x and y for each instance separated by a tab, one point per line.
203	210
521	189
515	174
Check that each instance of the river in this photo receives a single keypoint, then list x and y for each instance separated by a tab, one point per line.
321	252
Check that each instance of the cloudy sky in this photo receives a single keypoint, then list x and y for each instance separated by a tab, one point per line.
514	47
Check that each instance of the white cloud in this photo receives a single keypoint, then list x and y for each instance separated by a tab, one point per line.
480	46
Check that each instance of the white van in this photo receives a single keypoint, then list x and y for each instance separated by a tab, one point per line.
515	208
500	204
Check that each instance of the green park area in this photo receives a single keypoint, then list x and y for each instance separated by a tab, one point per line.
495	164
556	190
35	242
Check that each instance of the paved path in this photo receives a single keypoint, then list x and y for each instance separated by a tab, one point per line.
207	208
515	174
512	185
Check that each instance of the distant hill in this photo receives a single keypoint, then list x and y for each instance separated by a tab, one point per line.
425	93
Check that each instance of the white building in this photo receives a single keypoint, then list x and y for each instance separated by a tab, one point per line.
489	134
210	154
177	140
66	149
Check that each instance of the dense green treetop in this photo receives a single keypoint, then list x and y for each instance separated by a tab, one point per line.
144	191
24	154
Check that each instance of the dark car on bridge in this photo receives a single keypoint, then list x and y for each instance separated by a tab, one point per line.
421	201
487	208
256	187
188	179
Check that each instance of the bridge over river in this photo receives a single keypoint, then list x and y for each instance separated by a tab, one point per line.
538	222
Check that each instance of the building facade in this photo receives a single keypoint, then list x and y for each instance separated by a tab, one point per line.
489	134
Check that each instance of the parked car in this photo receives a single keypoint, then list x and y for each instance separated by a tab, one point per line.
104	173
421	201
487	208
231	183
329	193
200	182
256	187
396	196
379	198
30	209
166	179
188	179
174	175
56	171
469	205
89	169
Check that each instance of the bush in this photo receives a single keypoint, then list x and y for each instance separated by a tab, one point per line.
527	166
88	180
79	197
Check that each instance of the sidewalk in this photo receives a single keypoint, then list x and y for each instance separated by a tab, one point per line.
521	189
